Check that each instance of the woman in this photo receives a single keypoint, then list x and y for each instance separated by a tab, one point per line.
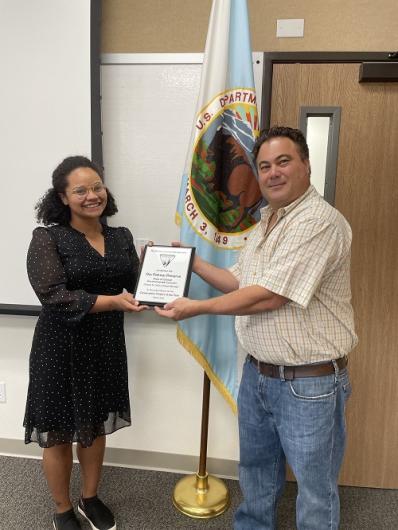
78	388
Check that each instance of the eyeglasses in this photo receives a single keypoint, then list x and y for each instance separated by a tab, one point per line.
83	191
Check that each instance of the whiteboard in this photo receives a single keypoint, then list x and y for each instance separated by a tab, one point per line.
148	108
45	109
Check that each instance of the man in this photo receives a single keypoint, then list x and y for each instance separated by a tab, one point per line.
291	292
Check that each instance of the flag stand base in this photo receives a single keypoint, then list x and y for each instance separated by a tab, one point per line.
201	497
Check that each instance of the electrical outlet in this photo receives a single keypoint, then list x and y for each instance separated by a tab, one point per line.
290	27
2	392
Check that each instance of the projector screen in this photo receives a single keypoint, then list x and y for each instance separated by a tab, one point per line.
50	109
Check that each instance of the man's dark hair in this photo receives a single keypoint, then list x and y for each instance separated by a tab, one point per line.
50	209
295	136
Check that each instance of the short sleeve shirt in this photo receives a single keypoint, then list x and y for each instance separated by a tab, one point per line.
305	257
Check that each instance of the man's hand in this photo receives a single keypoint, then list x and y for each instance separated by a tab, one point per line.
179	309
126	302
245	301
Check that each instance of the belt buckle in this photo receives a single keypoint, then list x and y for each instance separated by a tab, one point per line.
285	373
288	372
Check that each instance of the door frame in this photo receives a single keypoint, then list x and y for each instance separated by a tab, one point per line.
271	58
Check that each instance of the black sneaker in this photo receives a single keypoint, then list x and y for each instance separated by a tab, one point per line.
97	514
66	521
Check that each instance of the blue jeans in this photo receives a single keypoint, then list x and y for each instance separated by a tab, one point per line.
301	421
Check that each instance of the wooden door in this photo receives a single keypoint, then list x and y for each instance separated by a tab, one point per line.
367	195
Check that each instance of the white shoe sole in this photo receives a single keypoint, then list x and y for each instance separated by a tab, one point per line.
87	519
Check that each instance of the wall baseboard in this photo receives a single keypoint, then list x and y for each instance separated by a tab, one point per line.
167	462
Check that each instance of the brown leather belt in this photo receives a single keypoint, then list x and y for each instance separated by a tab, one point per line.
303	370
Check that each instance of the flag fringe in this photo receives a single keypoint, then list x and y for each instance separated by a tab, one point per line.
186	342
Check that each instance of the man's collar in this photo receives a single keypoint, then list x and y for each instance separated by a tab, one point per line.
267	210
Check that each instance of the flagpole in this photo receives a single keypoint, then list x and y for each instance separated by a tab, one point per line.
202	496
218	206
204	425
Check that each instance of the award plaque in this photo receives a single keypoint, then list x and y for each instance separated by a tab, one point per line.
164	274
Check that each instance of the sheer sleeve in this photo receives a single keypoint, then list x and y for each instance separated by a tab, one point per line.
48	279
131	279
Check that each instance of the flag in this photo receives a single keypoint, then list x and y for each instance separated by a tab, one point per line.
219	198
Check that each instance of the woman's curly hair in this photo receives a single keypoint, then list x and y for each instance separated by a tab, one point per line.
50	209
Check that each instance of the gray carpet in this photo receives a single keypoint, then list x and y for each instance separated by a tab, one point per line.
141	500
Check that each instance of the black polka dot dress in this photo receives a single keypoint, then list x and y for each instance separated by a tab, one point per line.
78	382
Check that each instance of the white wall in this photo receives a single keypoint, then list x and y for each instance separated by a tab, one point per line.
148	112
45	91
165	390
15	340
167	395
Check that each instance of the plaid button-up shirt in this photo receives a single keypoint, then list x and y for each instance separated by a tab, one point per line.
305	257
